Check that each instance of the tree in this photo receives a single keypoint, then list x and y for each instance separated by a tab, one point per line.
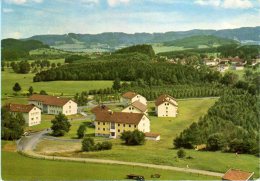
181	153
53	65
88	144
30	90
81	131
116	84
106	145
17	87
229	78
60	125
12	125
215	142
58	64
135	137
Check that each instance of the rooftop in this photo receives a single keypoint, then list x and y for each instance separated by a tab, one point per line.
99	108
139	105
163	98
233	174
129	95
152	135
49	100
19	108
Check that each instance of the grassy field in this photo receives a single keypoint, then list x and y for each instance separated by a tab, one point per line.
17	167
68	88
158	48
162	152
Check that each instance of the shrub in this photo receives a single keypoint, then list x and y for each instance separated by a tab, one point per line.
88	144
81	131
181	153
60	125
106	145
135	137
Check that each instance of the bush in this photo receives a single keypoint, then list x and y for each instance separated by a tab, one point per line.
181	153
88	144
60	125
106	145
135	137
81	131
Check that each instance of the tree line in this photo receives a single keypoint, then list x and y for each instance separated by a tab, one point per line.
231	125
129	71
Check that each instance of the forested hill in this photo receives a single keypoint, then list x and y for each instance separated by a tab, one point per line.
232	124
202	40
117	39
143	49
13	49
128	71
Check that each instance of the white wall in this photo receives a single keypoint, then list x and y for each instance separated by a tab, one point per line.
33	117
131	109
144	125
70	108
161	110
139	98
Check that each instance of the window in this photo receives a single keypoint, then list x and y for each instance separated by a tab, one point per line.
98	128
104	129
69	106
32	119
166	107
118	131
124	125
129	125
135	126
98	123
118	125
104	123
129	108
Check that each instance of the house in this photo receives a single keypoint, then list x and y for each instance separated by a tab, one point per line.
130	97
210	62
152	136
54	105
136	107
31	113
234	175
99	108
112	124
166	106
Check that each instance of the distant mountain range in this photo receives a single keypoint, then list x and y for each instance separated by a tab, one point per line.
116	40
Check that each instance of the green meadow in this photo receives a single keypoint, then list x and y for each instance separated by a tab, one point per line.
67	88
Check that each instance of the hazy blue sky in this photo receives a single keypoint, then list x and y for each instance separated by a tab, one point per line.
24	18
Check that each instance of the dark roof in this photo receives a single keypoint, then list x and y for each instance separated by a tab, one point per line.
152	135
163	98
233	174
129	95
139	105
19	108
49	100
119	117
99	108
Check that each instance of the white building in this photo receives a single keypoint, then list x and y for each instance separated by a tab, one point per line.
54	105
31	113
152	136
136	107
130	97
166	106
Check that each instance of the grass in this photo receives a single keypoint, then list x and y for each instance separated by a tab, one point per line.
162	152
68	88
18	167
158	48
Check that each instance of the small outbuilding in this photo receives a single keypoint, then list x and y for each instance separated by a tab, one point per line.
234	175
152	136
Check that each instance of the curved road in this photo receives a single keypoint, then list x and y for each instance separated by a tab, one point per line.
28	143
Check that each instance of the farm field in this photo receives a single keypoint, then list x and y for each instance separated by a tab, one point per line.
14	168
158	48
162	152
68	88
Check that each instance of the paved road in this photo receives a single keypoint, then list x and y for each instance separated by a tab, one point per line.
28	143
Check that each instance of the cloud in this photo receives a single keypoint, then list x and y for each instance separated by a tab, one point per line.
113	3
7	10
90	2
215	3
228	4
19	2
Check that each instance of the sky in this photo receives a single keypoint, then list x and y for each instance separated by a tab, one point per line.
25	18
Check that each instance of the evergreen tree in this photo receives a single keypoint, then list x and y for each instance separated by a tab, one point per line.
17	87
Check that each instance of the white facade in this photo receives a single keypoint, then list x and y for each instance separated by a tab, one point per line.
33	117
139	98
144	124
166	109
157	138
69	108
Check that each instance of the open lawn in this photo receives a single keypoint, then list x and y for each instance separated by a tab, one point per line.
162	152
18	167
158	48
68	88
